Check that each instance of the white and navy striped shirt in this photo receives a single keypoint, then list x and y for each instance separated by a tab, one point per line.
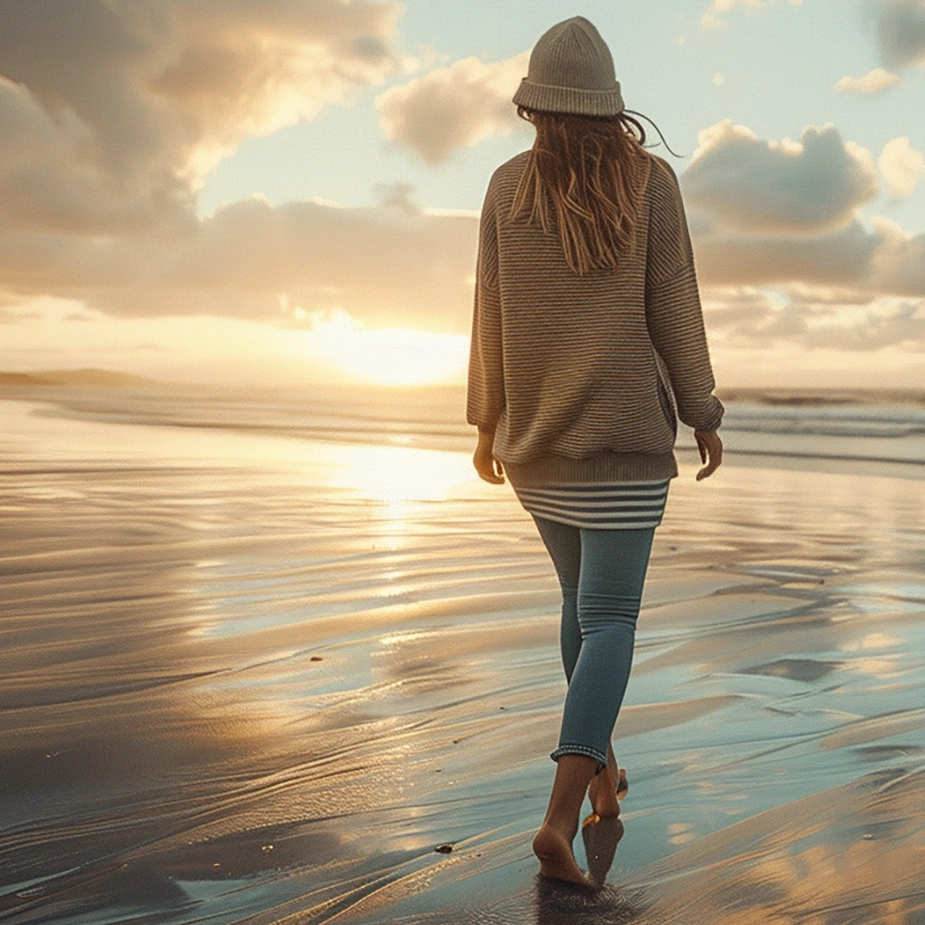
598	506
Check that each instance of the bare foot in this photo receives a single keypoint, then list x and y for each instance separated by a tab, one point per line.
623	786
606	790
556	859
601	842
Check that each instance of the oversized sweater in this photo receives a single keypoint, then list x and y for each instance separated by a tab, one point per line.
579	377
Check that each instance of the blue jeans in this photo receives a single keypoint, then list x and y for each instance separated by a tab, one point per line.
601	573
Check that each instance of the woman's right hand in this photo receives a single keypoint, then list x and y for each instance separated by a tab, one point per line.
711	452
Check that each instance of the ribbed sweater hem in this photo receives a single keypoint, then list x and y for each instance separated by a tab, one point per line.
607	467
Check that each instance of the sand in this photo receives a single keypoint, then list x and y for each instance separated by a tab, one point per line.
253	679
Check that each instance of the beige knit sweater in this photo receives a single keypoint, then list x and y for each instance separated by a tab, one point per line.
578	377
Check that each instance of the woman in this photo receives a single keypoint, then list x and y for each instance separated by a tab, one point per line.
587	340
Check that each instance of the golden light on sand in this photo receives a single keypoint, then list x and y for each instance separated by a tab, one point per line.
387	356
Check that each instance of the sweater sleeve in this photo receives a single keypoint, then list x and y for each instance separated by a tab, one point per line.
673	311
485	396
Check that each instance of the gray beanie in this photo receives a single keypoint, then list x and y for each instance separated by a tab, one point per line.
571	71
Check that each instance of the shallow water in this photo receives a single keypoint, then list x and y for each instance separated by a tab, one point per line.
260	677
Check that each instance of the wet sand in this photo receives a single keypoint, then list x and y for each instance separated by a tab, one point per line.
245	678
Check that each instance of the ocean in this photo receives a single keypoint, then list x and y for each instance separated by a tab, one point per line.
828	425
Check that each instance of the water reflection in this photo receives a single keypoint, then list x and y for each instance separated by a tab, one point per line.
353	708
394	474
851	854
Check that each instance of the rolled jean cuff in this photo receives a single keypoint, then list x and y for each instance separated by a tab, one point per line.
585	750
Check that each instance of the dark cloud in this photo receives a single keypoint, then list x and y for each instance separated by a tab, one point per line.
110	112
901	32
397	196
728	256
384	266
759	185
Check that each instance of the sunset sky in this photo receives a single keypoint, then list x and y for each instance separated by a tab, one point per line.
239	190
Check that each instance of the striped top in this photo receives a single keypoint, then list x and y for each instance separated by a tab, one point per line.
580	378
601	505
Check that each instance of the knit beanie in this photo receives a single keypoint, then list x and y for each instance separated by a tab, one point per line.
571	71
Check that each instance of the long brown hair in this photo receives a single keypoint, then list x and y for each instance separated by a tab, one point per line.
585	175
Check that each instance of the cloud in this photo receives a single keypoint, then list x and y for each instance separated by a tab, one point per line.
901	32
398	264
750	318
873	82
711	16
781	249
53	176
386	266
813	184
114	111
898	264
744	316
110	112
902	167
452	107
726	256
397	196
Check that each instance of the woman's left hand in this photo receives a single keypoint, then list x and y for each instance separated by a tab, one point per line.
486	465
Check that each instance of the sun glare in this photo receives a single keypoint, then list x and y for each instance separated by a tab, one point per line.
396	474
387	356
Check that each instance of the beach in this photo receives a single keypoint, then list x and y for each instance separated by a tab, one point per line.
264	655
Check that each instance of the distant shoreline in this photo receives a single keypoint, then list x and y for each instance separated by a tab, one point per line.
825	396
782	397
101	377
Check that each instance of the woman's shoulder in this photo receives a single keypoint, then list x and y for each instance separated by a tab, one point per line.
662	175
513	166
507	176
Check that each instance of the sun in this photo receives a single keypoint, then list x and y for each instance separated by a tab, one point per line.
387	356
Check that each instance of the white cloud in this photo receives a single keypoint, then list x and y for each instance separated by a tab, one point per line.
901	32
898	264
873	82
717	8
782	252
902	167
814	319
452	107
812	184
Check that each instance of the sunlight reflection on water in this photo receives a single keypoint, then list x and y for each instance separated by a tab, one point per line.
394	474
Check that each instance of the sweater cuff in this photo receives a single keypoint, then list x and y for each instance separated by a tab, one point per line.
707	419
